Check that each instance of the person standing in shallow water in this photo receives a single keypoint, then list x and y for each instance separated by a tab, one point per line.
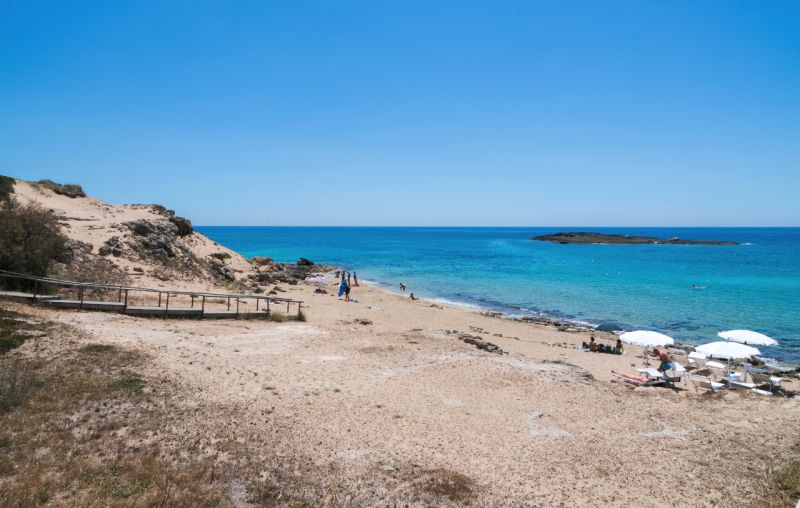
355	279
348	278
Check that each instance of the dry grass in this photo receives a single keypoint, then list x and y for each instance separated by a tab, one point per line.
452	485
67	424
783	485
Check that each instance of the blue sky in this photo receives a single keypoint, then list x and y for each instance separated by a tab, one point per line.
411	113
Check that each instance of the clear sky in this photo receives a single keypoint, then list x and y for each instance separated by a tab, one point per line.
551	113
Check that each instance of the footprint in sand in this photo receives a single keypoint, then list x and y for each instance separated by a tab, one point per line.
536	428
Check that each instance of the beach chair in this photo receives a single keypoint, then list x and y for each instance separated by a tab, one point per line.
711	386
640	380
656	375
762	377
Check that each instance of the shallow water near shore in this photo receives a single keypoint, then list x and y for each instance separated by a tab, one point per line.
755	285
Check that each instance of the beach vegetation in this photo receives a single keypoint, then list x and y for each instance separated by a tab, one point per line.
70	190
97	348
444	483
785	483
130	383
30	238
17	382
68	405
277	317
6	187
14	330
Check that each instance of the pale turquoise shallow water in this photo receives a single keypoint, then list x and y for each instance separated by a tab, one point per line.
754	286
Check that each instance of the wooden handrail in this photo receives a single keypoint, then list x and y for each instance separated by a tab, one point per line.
81	286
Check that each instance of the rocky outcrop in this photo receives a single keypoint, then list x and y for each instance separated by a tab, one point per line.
113	246
183	224
73	250
259	261
602	238
304	262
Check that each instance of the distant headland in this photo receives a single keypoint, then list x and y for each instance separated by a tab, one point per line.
603	238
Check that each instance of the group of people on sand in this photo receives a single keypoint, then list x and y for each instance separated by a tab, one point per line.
345	283
594	347
403	289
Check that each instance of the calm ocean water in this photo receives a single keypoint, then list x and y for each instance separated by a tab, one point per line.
754	286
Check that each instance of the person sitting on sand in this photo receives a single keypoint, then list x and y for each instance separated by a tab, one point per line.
666	360
413	297
592	345
618	347
584	345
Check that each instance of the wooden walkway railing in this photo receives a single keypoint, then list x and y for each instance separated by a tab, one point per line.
42	286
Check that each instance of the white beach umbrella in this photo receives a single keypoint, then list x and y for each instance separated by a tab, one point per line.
748	337
646	338
728	350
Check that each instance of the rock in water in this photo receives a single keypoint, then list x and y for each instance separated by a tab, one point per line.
304	262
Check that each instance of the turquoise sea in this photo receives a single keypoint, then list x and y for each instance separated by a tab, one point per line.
754	286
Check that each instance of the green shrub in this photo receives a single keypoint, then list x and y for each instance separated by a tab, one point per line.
6	187
30	238
70	190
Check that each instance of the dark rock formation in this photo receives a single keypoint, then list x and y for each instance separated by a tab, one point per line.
184	225
259	261
478	342
602	238
162	210
73	250
304	262
112	246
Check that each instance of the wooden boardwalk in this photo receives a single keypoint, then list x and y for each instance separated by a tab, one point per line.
43	289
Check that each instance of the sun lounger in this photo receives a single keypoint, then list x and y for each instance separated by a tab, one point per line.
712	386
762	377
642	380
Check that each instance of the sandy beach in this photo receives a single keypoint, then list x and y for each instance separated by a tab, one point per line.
380	403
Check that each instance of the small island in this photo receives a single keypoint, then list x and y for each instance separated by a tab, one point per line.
604	238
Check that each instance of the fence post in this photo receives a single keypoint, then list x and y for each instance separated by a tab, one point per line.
203	306
35	286
193	300
119	297
268	300
288	305
299	304
159	298
237	306
126	300
166	309
229	303
257	299
80	297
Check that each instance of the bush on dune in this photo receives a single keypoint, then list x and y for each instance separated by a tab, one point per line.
6	187
30	238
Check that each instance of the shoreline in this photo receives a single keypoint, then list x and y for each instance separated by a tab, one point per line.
565	324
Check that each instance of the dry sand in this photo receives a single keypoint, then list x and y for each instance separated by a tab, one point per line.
381	405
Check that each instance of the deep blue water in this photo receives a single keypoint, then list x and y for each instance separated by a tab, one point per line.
754	286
